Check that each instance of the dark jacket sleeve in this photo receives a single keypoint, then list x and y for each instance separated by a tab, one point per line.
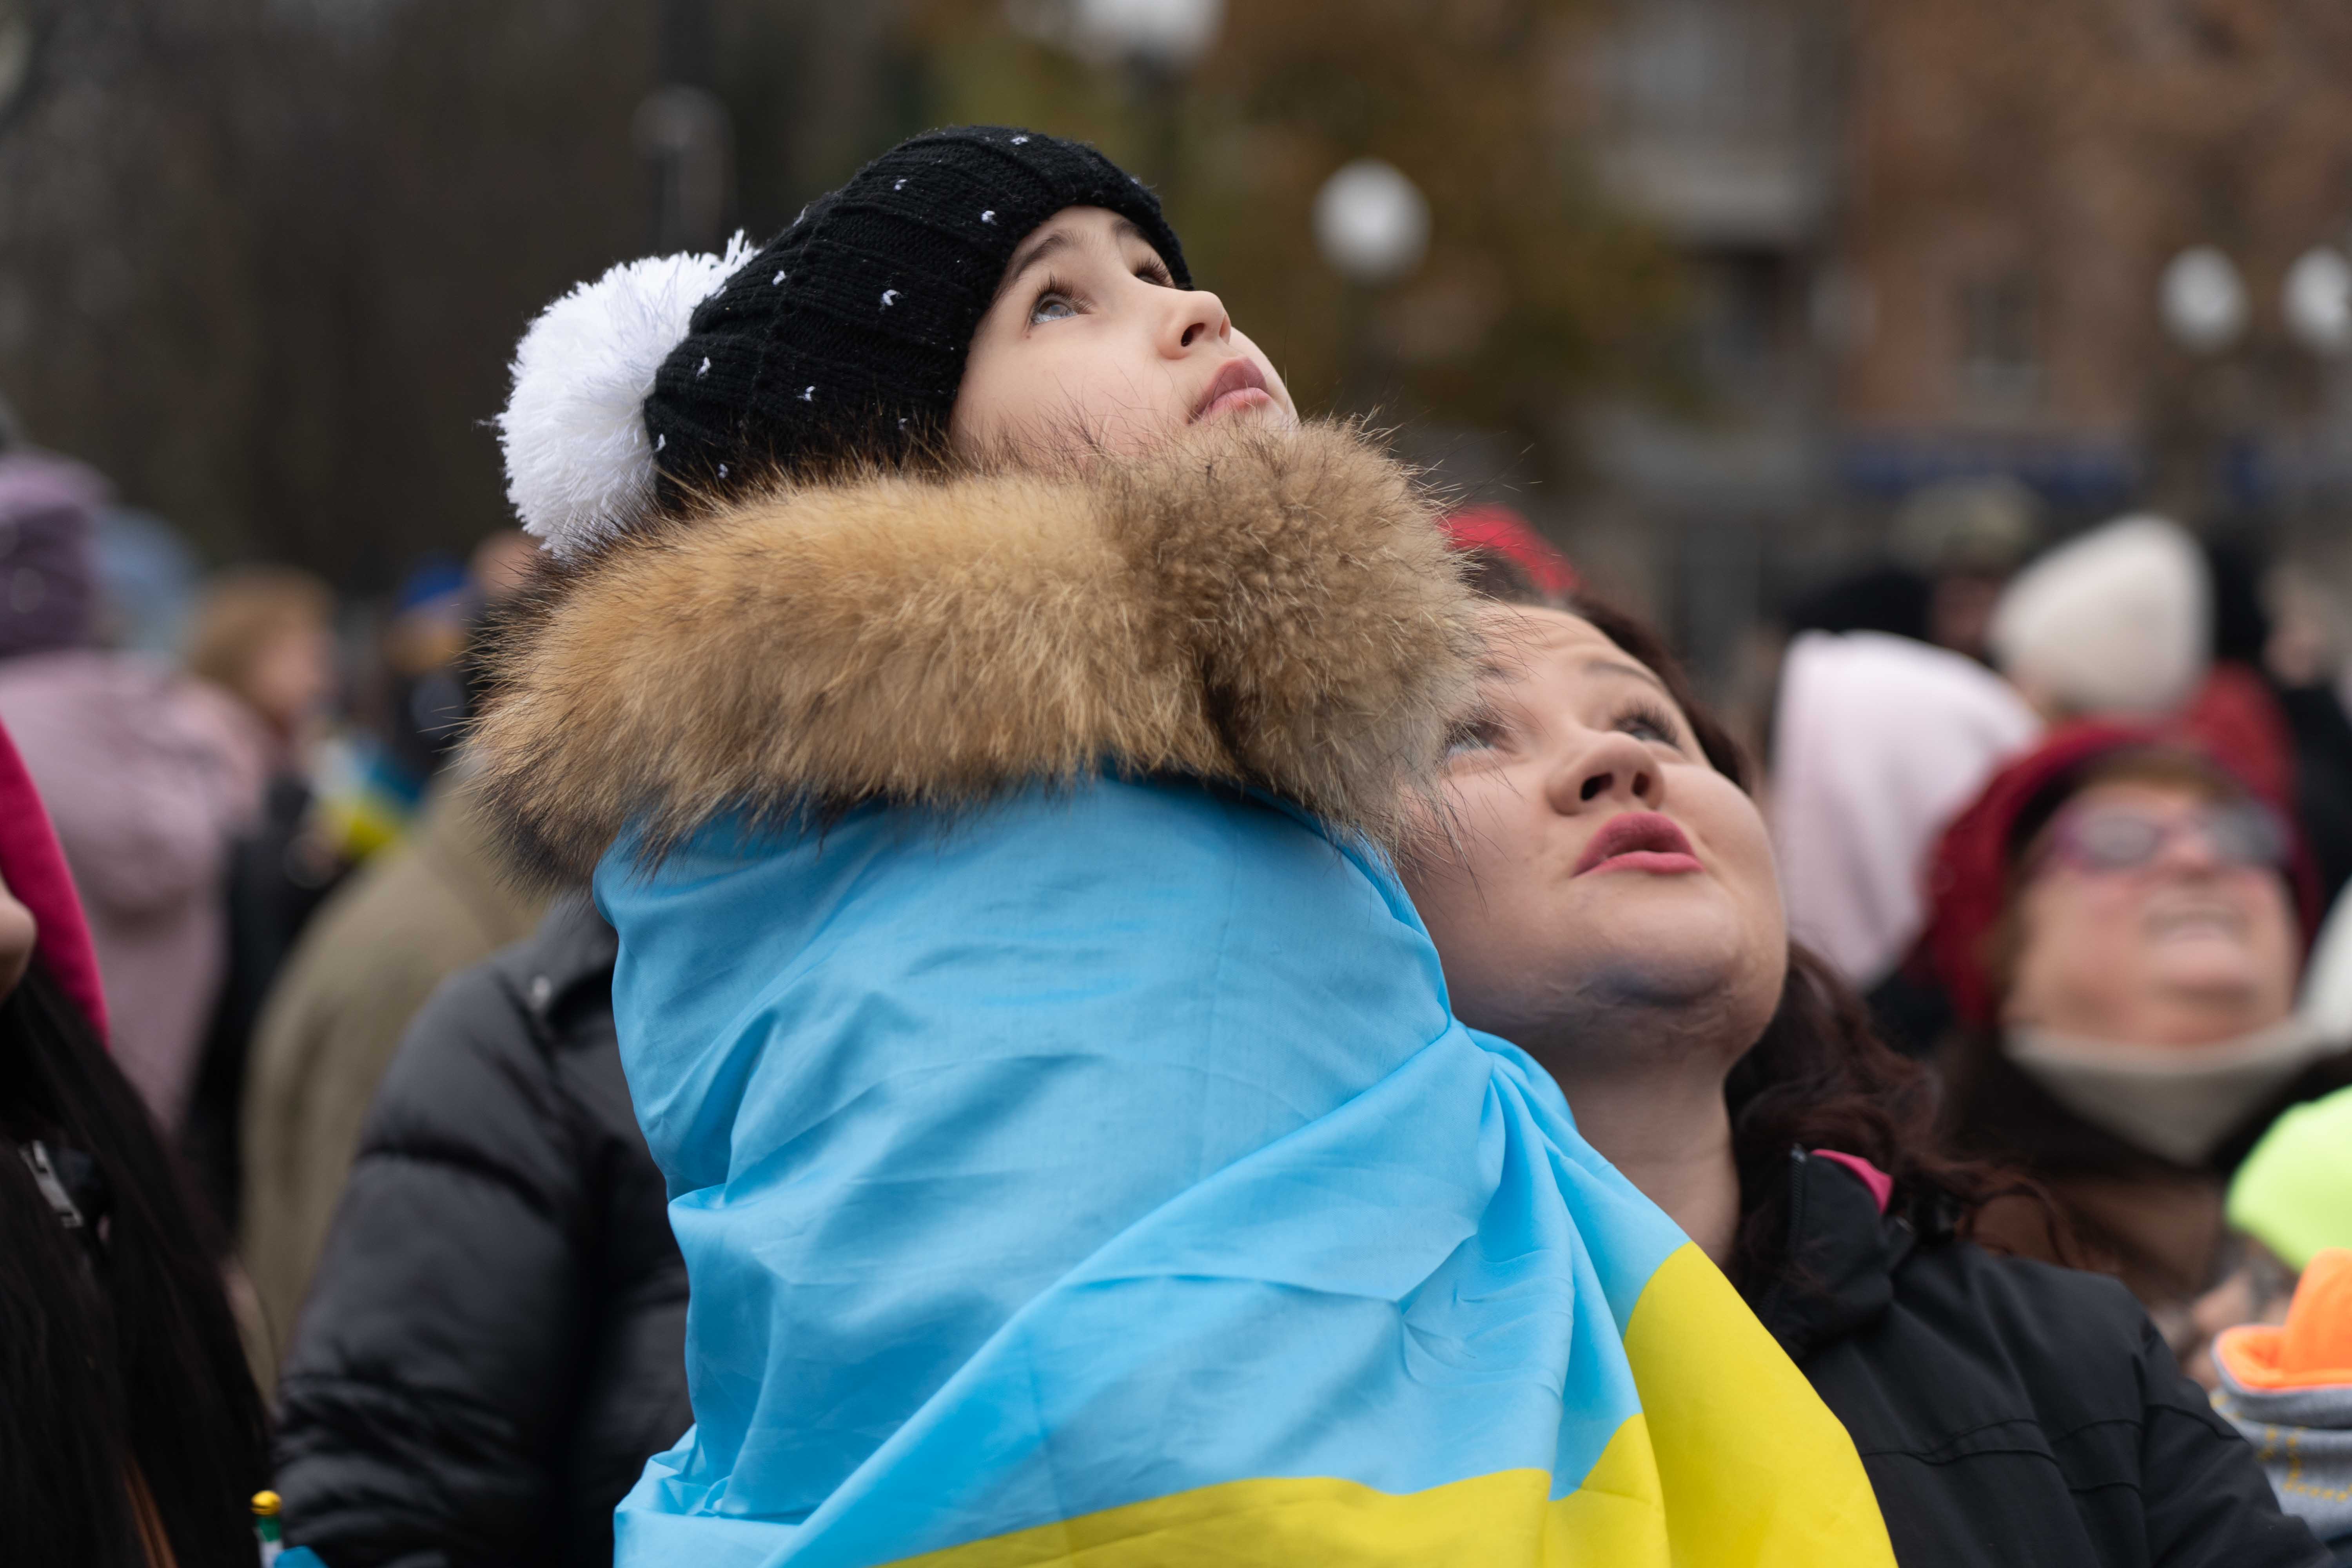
2207	1503
422	1406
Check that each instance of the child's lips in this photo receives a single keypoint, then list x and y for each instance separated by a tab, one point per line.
1244	397
1237	384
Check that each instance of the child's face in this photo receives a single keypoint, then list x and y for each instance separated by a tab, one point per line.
1089	347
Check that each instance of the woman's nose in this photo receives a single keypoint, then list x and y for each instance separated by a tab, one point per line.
1198	317
2189	850
1616	771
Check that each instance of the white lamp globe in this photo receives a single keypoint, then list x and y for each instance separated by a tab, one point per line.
1371	222
2317	300
2202	299
1170	34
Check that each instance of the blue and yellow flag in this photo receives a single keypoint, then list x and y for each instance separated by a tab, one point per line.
1102	1179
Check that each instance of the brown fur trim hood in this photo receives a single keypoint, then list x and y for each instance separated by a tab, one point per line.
1260	608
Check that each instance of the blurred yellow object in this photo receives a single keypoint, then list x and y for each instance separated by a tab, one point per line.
265	1503
2293	1193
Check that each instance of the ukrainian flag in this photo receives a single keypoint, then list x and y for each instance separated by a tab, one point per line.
1102	1179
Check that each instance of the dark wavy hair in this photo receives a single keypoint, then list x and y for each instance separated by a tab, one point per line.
120	1370
1818	1077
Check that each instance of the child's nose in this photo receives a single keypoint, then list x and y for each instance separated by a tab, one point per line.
1199	318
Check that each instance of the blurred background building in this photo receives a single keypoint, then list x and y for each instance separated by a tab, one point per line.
1709	289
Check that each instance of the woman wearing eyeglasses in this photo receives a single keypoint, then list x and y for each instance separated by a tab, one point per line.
2119	921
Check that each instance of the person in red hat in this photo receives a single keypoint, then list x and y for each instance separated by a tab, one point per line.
131	1433
2118	920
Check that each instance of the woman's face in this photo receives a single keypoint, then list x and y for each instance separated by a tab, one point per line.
1090	347
291	678
2188	948
1602	867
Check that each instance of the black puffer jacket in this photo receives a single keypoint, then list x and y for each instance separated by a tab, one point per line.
494	1341
2010	1414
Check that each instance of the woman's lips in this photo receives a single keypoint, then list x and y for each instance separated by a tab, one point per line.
1638	841
1238	383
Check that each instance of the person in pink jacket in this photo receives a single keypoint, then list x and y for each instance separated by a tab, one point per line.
146	773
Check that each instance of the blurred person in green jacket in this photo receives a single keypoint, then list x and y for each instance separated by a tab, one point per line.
431	905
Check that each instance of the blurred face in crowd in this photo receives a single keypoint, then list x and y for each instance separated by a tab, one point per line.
290	678
1602	869
2155	913
1090	346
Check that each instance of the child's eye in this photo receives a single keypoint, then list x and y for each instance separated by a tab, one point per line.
1052	306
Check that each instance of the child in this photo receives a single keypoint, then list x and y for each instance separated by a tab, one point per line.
981	702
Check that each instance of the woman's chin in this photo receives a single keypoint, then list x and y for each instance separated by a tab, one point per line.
1668	957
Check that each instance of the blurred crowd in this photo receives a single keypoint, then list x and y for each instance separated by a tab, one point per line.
249	779
1989	705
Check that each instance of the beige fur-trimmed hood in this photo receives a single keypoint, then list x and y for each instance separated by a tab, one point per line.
1268	609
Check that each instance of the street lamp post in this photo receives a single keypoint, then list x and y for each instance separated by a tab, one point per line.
2206	310
2202	299
2203	304
1371	223
1170	33
682	132
2316	300
1154	42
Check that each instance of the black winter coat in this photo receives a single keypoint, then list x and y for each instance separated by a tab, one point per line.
2010	1414
494	1341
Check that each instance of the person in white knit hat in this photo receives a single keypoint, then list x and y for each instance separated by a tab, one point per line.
2117	623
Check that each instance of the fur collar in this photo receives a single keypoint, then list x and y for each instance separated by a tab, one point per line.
1273	610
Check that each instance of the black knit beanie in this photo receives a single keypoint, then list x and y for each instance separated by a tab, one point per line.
844	337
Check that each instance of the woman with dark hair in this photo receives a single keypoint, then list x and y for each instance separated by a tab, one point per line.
1602	893
130	1434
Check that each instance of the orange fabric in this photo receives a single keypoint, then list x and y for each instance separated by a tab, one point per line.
2314	1350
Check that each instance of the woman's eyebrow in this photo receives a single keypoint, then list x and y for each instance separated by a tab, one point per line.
1619	667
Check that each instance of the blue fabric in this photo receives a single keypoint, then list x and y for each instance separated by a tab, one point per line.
1087	1149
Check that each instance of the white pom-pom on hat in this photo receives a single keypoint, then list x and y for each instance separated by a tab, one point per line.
579	469
2119	622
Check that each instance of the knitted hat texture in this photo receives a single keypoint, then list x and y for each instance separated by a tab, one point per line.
678	378
846	335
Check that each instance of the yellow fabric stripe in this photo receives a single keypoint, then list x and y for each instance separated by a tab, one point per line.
1754	1468
1753	1471
1487	1521
1616	1515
